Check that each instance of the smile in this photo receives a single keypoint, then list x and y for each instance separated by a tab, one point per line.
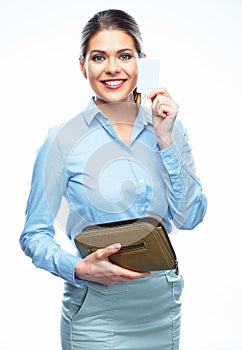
113	83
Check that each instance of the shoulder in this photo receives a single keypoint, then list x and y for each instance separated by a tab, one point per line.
63	137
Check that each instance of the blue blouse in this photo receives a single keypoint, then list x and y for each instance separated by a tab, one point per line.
86	169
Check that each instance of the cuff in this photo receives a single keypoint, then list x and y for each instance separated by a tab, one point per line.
172	162
67	269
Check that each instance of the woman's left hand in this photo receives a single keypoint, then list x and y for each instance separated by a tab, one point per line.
164	112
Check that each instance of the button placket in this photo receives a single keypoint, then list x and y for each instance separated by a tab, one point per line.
141	198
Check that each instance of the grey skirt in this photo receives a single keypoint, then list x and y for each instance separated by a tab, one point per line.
140	315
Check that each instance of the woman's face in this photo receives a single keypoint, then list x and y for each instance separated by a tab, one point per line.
111	66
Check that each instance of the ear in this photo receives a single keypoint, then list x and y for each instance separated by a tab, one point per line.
83	68
142	55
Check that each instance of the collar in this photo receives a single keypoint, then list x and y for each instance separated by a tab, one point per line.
91	111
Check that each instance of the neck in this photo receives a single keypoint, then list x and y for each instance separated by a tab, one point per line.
119	112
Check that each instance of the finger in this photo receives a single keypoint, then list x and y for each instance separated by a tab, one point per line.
161	114
106	252
164	109
161	110
161	104
161	91
125	273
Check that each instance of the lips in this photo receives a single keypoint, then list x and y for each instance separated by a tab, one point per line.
113	83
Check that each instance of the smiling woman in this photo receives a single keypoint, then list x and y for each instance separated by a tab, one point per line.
111	66
114	161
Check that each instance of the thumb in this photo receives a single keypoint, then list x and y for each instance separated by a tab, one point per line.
111	249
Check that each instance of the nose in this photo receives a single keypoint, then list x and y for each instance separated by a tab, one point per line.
112	67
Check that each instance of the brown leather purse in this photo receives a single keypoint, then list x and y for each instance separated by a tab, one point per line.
145	243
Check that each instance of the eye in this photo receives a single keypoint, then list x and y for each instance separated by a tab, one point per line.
125	57
98	58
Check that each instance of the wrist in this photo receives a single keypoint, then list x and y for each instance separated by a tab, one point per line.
79	269
164	141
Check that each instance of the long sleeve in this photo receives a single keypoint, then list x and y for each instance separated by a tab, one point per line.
47	189
187	203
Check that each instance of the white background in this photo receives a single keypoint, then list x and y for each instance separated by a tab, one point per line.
199	45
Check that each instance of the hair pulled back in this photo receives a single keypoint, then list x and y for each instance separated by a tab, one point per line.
111	19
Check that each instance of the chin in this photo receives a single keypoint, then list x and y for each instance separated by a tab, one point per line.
114	99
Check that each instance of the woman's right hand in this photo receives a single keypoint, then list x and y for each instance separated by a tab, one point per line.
96	267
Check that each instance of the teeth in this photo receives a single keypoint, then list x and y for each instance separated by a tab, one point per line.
114	82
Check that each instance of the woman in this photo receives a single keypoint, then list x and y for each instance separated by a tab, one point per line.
115	160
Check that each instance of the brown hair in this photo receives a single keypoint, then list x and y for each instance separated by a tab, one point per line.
112	19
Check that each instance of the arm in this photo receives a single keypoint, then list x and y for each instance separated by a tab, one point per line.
37	238
187	203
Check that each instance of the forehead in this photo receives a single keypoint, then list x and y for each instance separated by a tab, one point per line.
111	40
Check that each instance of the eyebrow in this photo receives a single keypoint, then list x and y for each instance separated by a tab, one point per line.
104	52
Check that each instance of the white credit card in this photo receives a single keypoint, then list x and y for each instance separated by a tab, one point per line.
148	75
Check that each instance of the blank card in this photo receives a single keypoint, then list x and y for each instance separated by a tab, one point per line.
148	75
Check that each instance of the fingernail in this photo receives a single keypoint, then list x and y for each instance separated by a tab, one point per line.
117	245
